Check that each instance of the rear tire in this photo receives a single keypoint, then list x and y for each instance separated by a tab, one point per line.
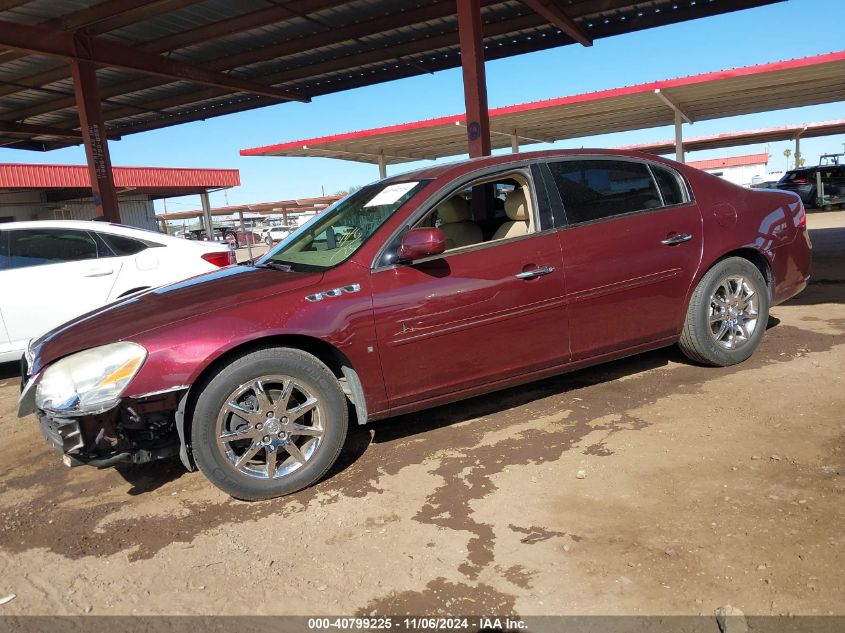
268	424
727	314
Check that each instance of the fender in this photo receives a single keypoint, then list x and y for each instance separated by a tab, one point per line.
353	389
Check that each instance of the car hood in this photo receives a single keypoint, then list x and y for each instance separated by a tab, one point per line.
127	318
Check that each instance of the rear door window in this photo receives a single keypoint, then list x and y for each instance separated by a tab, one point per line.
594	190
38	247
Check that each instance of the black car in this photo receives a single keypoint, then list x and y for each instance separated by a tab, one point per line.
803	182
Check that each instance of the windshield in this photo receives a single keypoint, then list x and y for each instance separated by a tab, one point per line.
333	236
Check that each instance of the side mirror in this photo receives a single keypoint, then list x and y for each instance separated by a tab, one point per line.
419	243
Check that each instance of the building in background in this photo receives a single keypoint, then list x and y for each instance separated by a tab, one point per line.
63	192
747	170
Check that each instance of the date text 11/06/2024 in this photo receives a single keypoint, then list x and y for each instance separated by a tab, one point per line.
421	623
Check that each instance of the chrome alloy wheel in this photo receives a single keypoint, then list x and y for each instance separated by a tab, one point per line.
733	311
270	427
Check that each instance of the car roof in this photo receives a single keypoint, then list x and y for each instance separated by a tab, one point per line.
455	168
84	225
108	227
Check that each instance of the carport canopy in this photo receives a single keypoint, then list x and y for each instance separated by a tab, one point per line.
748	137
280	207
732	92
82	70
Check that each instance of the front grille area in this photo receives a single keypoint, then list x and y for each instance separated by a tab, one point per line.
64	435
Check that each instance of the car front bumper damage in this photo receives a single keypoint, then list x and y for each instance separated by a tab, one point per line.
135	431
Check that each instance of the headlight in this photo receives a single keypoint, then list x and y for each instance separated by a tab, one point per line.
89	381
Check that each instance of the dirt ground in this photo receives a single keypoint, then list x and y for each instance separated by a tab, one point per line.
644	486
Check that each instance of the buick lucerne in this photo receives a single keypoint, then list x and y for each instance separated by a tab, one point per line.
415	291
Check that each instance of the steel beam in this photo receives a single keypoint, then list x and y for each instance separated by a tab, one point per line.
382	165
94	136
673	104
79	46
393	54
798	146
208	223
104	17
23	130
175	41
555	15
679	138
471	40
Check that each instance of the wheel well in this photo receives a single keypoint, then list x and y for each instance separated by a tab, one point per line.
333	358
756	258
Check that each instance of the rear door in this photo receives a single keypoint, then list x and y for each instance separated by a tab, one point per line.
52	276
630	250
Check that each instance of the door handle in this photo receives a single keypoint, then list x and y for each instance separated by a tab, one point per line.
99	272
535	272
676	239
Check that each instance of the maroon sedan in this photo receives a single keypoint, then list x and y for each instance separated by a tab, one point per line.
418	290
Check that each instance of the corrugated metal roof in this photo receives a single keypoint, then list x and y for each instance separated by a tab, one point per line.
783	84
22	176
313	46
746	137
733	161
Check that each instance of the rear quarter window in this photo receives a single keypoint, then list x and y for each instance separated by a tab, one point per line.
670	184
122	246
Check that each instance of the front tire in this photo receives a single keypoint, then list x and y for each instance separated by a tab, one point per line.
727	314
270	423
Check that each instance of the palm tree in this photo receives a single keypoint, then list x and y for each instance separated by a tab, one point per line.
787	152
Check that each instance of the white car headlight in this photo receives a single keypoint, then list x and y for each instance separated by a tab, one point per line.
89	381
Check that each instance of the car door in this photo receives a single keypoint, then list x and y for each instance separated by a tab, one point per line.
53	275
473	315
630	247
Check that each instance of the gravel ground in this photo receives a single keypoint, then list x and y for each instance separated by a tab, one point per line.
644	486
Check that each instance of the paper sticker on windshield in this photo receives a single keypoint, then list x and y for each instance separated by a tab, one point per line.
391	194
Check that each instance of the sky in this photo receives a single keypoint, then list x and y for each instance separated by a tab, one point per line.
786	30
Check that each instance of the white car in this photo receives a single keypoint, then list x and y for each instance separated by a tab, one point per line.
52	272
275	234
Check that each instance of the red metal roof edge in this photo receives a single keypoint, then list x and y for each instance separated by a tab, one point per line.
744	71
731	161
24	175
809	127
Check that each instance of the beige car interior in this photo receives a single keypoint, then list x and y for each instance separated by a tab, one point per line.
519	215
457	223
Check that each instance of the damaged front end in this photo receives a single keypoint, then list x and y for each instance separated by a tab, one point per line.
135	431
81	412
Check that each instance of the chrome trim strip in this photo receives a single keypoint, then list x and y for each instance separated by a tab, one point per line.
160	392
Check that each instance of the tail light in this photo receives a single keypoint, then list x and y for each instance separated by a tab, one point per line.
223	258
802	217
800	181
